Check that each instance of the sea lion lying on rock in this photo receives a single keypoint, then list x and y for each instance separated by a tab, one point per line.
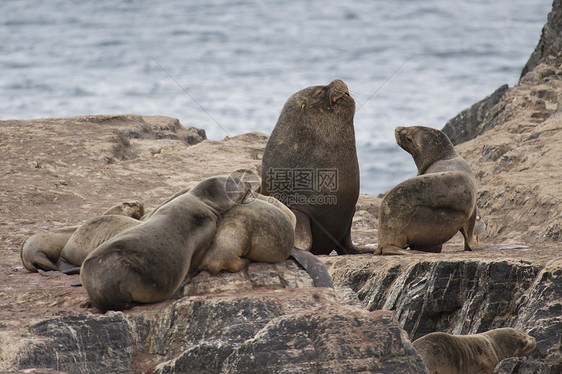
263	231
310	164
425	211
42	251
98	230
147	263
472	354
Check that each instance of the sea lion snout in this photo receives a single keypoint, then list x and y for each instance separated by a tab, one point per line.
531	344
338	90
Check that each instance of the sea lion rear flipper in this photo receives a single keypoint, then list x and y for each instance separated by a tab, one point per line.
42	262
314	267
71	271
66	267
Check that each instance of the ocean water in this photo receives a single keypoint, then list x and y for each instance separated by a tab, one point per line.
229	66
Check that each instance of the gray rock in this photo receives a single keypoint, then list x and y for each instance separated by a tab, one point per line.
465	125
549	48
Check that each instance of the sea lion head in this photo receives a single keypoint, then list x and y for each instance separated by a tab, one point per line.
425	144
510	342
313	105
222	193
133	209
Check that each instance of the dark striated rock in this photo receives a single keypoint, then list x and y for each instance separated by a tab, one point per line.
84	343
522	365
235	323
549	48
465	125
463	297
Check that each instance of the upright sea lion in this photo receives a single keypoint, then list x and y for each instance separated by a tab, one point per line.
42	250
425	211
148	262
310	164
472	354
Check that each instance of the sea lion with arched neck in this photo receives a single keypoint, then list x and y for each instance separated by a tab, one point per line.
425	211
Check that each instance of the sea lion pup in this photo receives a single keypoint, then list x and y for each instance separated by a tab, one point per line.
472	354
97	230
310	164
425	211
148	262
42	250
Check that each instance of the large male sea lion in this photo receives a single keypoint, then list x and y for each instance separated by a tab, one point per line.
310	165
42	251
472	354
147	263
425	211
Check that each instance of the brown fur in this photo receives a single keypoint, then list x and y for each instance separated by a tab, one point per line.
262	230
42	250
472	354
315	131
425	211
147	263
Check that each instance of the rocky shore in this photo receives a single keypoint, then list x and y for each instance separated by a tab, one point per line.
269	318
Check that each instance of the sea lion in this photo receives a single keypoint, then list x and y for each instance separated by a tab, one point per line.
472	354
133	209
261	230
148	262
310	164
96	231
425	211
41	251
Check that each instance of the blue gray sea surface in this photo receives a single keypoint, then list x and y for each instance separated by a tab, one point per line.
229	66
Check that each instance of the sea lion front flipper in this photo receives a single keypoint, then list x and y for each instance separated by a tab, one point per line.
314	267
303	233
346	246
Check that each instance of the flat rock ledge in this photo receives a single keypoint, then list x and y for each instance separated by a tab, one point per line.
266	319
